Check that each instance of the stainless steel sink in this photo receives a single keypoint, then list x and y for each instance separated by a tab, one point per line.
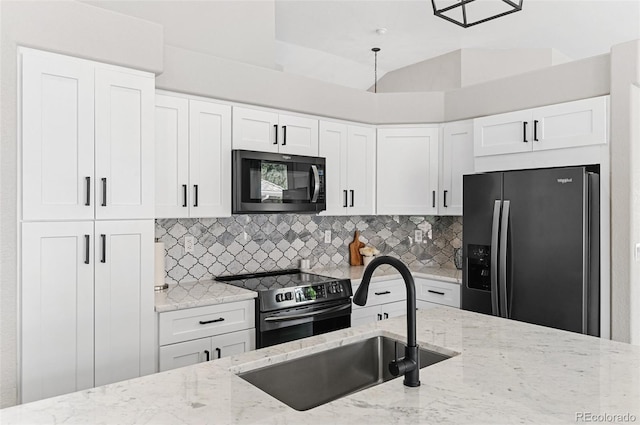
319	378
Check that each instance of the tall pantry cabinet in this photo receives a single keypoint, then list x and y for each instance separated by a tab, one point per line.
86	210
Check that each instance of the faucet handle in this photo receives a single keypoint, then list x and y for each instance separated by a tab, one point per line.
394	365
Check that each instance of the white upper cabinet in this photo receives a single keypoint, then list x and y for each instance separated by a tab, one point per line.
266	131
193	158
407	170
457	160
565	125
350	163
57	137
172	157
87	139
124	145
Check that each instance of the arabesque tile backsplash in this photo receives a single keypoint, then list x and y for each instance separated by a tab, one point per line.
264	242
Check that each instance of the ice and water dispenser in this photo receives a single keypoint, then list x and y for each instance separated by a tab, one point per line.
479	267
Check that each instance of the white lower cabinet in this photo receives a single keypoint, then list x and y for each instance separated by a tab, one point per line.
200	334
87	305
386	299
204	349
434	293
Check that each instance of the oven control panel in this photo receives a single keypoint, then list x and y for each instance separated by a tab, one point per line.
287	297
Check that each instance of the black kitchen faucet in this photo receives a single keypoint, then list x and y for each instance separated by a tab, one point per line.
410	365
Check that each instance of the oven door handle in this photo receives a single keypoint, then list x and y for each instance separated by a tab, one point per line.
314	313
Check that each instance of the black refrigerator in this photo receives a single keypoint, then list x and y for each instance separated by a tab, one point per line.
531	246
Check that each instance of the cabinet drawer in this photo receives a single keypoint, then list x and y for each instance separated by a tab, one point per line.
383	292
192	323
434	291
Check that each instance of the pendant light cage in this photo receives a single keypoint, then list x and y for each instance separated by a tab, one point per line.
467	13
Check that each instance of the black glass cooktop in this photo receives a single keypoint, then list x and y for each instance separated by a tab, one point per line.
267	281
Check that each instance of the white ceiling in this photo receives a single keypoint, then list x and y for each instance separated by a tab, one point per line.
331	40
342	33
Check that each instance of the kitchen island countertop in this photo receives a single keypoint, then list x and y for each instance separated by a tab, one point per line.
506	372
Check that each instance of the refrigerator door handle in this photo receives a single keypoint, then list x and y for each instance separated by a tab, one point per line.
495	230
504	230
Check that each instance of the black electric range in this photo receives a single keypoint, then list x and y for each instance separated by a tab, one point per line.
293	304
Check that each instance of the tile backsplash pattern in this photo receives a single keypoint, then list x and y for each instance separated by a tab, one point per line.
264	242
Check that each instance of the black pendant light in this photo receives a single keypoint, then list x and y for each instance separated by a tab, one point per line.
375	51
468	13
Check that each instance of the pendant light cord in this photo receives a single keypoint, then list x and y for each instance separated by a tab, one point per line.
375	51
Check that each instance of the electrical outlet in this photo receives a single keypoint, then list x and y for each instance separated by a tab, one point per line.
189	243
396	218
327	236
418	235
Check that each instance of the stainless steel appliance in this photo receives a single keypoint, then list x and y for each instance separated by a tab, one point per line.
292	304
531	246
273	182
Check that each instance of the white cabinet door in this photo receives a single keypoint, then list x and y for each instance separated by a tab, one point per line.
255	130
502	134
57	308
171	157
124	117
457	160
124	297
57	137
298	135
407	171
209	159
361	175
233	343
364	315
184	354
571	124
333	147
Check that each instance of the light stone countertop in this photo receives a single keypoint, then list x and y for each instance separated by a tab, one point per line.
507	372
386	272
198	294
209	292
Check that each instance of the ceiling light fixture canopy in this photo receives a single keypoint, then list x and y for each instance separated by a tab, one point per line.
467	13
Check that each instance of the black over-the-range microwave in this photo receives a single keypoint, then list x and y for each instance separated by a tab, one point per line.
265	182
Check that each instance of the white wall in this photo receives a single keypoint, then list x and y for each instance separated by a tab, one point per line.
625	191
66	27
242	31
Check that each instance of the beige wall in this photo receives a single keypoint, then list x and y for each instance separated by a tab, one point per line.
66	27
625	191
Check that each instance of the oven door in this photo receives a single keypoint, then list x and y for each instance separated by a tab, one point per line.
269	182
276	327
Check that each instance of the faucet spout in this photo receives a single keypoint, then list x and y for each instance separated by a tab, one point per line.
410	365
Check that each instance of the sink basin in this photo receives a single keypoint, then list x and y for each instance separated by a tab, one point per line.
319	378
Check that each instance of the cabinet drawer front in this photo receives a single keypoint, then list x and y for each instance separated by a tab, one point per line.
384	292
192	323
439	292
